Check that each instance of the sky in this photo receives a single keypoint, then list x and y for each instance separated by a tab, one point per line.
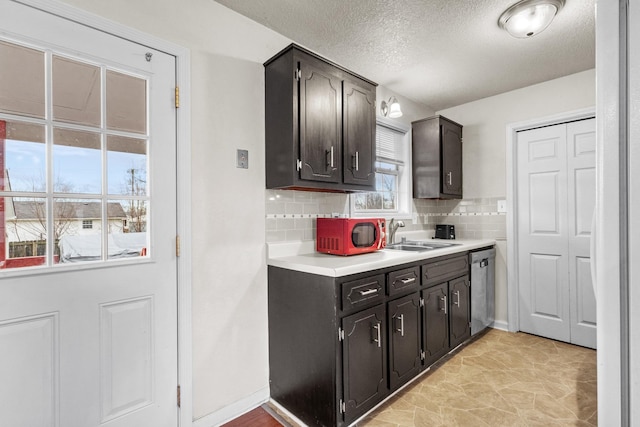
76	169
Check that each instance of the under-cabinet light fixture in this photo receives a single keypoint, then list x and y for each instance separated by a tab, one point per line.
391	108
529	17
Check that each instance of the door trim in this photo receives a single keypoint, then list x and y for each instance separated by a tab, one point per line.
183	188
513	320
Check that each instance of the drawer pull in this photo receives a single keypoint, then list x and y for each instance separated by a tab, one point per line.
377	339
408	280
401	329
444	305
368	292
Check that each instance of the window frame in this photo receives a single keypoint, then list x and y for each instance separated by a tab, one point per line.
405	190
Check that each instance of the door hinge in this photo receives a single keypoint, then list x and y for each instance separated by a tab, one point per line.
423	355
298	164
340	334
177	246
297	74
178	396
177	97
343	407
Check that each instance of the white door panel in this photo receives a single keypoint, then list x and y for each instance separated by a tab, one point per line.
33	398
95	341
556	197
544	305
581	162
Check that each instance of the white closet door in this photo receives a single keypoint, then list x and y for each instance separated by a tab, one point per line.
581	160
556	198
543	232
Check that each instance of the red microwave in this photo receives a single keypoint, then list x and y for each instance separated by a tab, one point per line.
350	236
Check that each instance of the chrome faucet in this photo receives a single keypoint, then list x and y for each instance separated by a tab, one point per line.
393	227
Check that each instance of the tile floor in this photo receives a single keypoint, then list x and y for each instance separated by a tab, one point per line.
501	379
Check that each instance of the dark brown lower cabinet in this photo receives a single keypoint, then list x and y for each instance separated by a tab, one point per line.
436	323
459	311
404	339
364	361
338	346
447	317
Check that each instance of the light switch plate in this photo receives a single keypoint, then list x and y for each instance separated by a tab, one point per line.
243	159
502	205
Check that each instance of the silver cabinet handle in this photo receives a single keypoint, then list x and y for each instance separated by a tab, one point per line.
457	303
377	339
444	305
408	280
368	292
401	330
449	178
357	160
330	157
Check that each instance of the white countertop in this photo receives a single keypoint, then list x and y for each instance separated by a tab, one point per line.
301	256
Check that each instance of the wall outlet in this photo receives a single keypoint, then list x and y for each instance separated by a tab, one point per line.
242	159
502	205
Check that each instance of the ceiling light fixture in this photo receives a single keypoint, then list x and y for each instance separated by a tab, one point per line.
391	108
529	17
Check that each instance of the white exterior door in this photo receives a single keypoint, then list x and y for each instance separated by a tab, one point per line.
88	272
556	197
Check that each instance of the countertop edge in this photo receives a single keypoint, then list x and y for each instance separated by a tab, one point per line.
338	266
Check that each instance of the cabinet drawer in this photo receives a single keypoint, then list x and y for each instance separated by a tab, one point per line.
404	280
362	292
440	271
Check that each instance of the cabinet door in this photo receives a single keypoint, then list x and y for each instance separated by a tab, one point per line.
320	122
459	316
404	339
436	323
359	134
451	140
364	360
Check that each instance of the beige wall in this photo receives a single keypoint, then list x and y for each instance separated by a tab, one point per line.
485	122
484	149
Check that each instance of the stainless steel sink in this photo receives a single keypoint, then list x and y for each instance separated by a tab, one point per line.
419	245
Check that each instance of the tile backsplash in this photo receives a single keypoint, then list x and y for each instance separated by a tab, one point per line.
291	215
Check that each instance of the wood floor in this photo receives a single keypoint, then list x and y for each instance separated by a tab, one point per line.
256	418
501	379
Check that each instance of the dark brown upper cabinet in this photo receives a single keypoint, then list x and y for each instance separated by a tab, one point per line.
319	124
437	158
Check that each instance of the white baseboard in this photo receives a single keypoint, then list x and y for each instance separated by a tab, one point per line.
503	326
234	410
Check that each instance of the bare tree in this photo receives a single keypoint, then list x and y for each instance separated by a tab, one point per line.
31	213
137	209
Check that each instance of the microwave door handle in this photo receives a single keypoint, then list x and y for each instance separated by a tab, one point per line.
381	237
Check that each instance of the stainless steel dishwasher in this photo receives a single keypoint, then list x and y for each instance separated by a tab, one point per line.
482	264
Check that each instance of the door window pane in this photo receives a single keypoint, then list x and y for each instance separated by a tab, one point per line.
78	244
92	147
25	230
126	166
22	157
127	221
21	80
126	103
76	92
77	162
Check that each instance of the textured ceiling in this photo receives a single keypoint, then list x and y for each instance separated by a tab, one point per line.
440	53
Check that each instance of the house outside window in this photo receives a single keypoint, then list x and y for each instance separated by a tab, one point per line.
87	224
392	197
